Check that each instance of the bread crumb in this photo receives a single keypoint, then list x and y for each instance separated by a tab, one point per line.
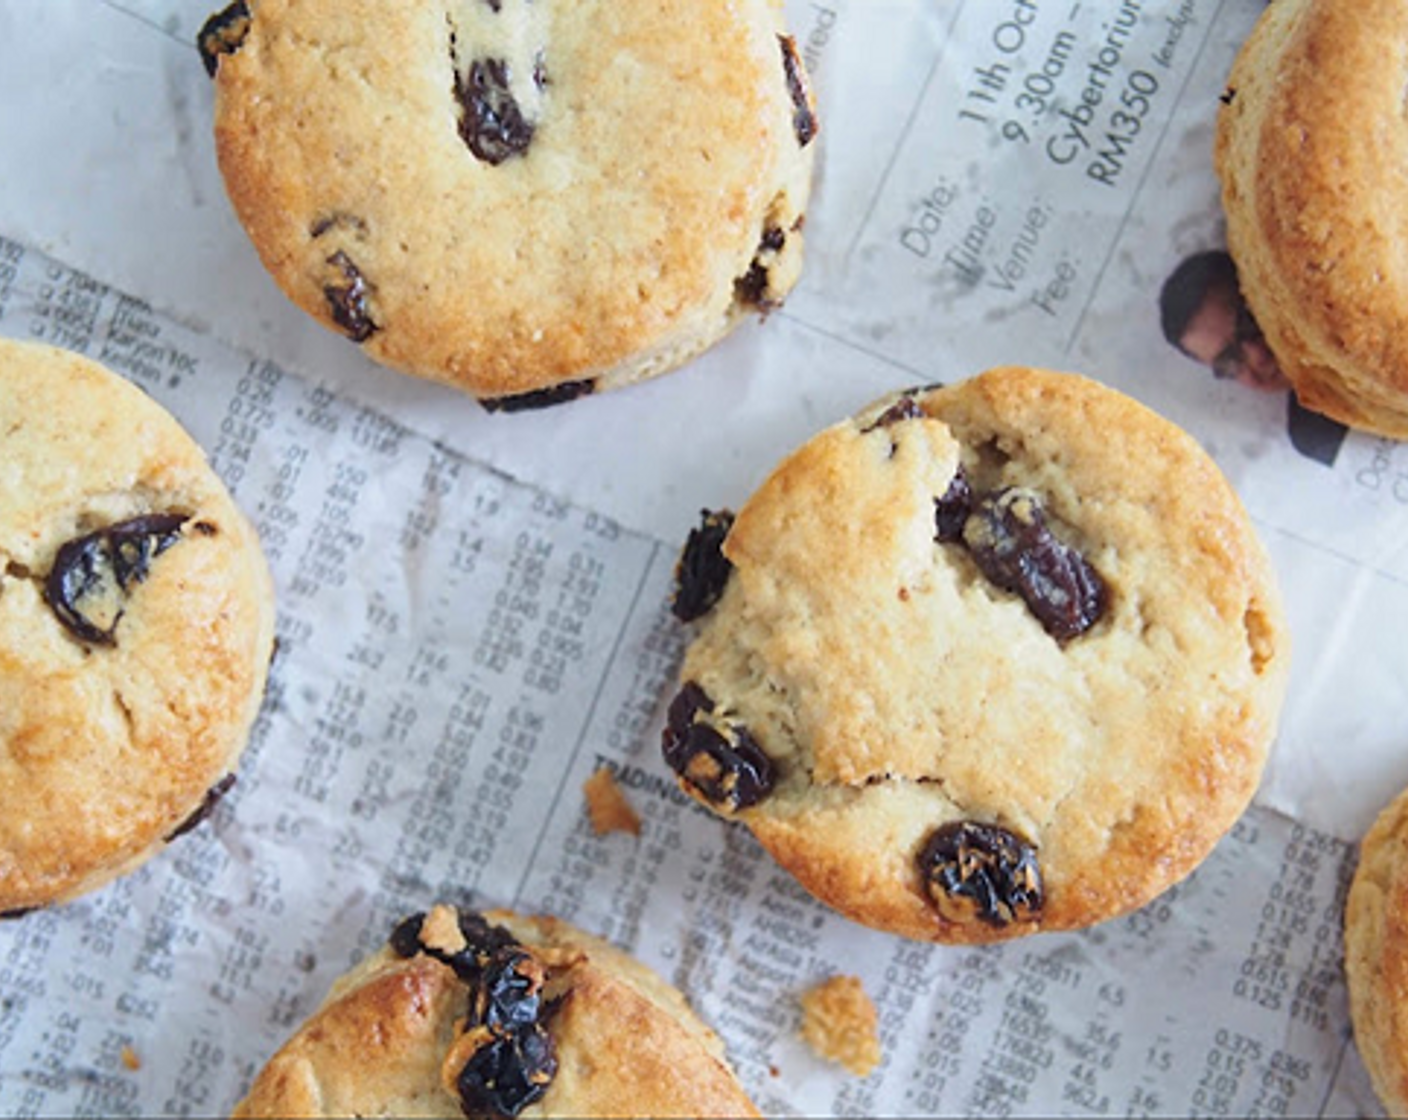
607	805
130	1059
840	1023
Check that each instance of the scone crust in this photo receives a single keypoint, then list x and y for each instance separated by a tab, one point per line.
896	689
106	750
664	149
627	1043
1312	151
1376	955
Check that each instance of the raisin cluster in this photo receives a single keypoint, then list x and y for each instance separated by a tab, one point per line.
515	1061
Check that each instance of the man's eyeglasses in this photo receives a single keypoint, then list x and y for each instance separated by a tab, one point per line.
1231	361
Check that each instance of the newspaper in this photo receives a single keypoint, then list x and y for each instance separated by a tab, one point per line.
472	609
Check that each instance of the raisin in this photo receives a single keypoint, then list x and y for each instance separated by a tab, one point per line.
719	759
405	938
507	1074
222	33
540	398
702	572
752	287
952	510
492	124
17	913
347	302
205	808
93	574
982	871
504	997
803	116
906	408
690	699
1009	540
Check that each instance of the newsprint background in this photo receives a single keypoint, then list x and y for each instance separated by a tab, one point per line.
472	609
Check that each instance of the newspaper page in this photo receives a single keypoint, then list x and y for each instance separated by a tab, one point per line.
472	609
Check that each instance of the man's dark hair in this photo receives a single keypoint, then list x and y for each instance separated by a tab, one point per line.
1188	285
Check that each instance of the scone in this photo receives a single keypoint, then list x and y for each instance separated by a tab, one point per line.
136	626
531	200
1376	955
498	1015
984	660
1312	151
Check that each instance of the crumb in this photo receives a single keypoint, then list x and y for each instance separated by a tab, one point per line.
130	1059
773	1071
607	805
839	1022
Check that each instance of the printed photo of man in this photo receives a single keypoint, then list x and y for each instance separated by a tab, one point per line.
1205	318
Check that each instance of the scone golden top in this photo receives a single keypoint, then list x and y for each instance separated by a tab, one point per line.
1312	151
517	197
499	1015
136	625
984	660
1376	955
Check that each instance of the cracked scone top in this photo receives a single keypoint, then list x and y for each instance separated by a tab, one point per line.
1312	151
498	1015
136	626
1376	955
530	200
984	660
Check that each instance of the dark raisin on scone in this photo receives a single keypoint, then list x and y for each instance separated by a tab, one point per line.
702	572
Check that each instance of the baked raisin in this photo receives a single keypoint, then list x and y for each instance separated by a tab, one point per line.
972	870
508	1073
906	408
347	301
17	913
539	398
1009	540
405	938
690	699
717	758
491	124
205	808
751	288
952	510
803	115
222	33
702	572
93	574
504	995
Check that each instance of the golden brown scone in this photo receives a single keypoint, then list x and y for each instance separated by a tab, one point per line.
136	626
938	747
527	199
840	1023
1311	150
499	1015
1376	955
